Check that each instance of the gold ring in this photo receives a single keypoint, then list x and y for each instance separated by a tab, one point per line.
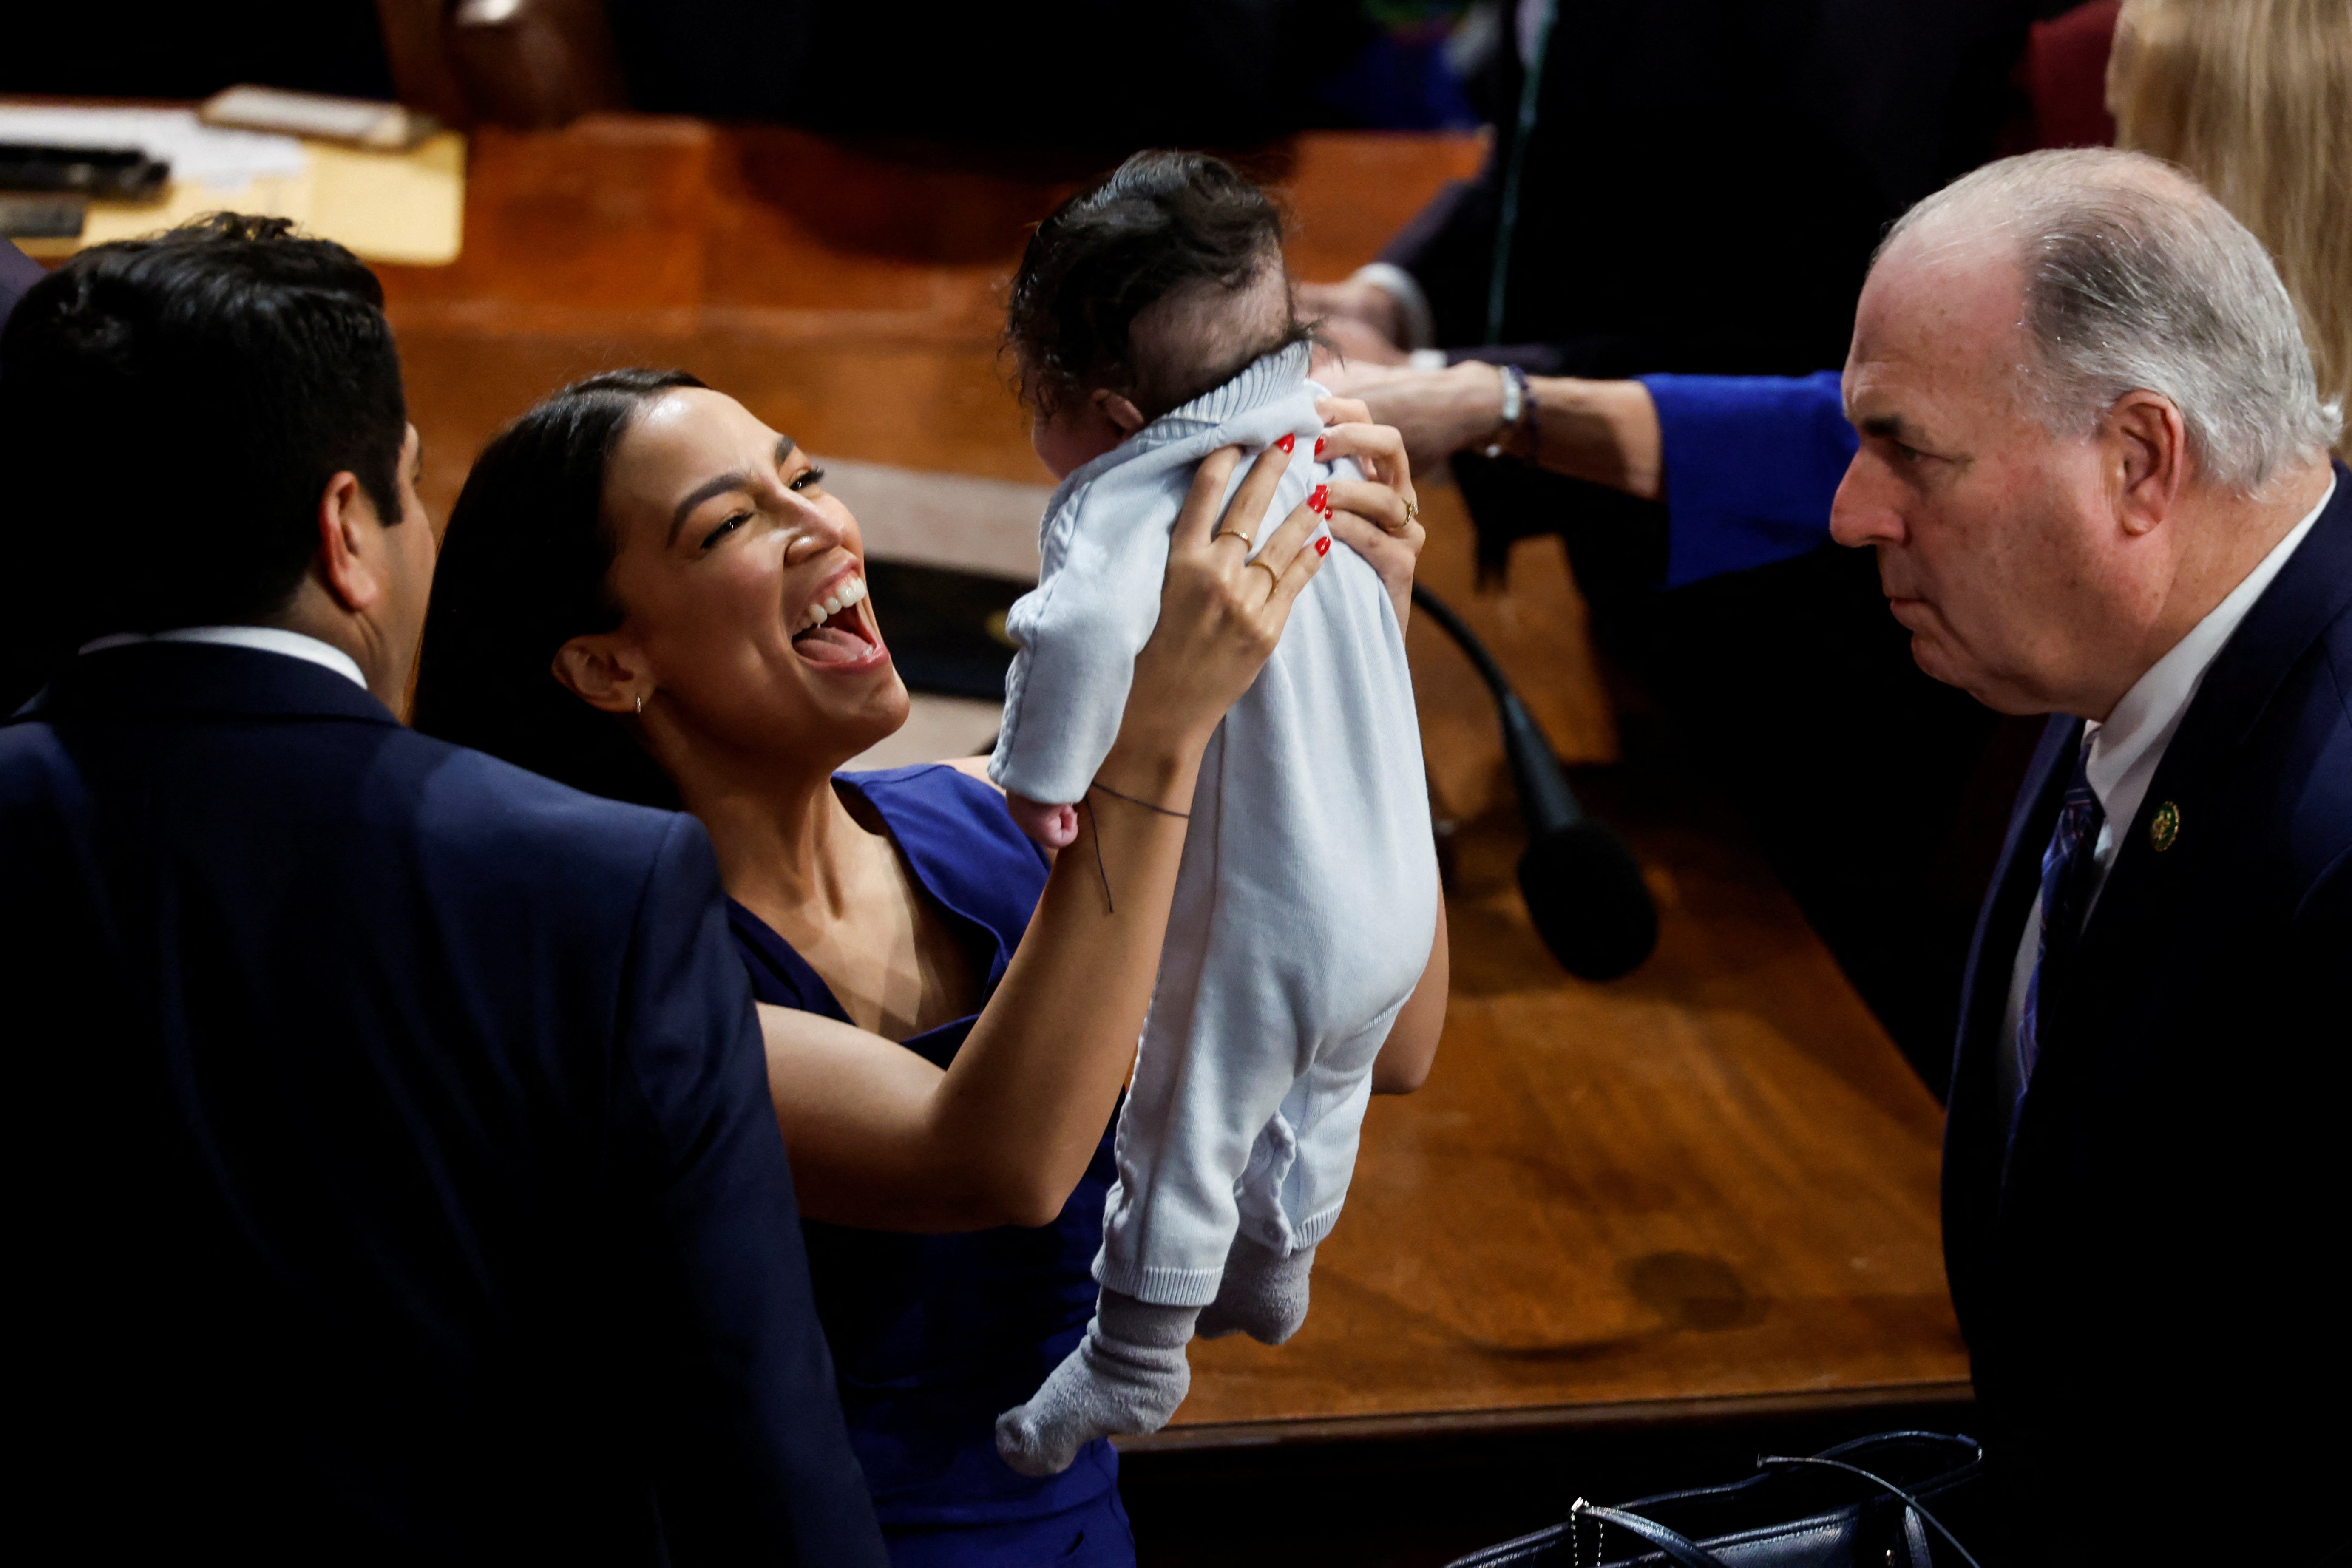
1273	578
1231	533
1412	511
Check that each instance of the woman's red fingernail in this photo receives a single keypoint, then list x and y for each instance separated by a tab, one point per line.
1323	545
1320	500
1288	442
1318	446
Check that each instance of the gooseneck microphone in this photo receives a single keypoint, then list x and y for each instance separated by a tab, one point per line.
1584	892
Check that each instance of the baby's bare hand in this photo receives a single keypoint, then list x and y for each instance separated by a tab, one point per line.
1049	826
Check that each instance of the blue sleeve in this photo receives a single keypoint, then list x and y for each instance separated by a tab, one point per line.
1751	463
751	1453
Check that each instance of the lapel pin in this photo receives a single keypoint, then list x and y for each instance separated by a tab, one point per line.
2164	827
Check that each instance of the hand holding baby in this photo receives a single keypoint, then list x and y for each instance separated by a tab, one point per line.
1194	661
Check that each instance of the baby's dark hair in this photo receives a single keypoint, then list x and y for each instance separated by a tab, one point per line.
1163	221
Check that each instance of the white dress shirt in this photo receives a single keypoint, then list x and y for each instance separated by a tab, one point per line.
2125	751
262	639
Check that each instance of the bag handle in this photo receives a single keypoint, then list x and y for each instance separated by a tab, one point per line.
1679	1547
1911	1504
1691	1554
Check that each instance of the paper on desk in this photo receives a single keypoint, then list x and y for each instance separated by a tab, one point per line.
199	155
387	206
391	207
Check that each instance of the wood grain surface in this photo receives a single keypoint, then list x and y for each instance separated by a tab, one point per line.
1709	1184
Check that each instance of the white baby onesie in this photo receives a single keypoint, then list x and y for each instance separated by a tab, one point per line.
1307	898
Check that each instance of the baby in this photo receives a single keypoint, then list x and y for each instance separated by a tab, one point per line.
1151	320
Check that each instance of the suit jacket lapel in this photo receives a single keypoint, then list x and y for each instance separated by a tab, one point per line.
2310	591
2313	589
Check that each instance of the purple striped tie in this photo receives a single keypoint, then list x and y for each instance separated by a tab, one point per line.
2066	880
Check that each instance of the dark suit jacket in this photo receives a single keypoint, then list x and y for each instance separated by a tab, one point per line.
397	1180
2143	1276
1707	178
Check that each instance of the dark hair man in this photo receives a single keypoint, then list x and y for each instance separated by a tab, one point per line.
401	1181
2093	466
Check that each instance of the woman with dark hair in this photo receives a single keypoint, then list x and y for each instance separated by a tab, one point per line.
648	593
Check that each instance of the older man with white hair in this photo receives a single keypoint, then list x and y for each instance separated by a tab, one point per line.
2093	466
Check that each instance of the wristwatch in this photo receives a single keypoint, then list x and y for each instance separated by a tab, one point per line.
1518	408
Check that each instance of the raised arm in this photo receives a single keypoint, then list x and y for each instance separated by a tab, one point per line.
880	1138
1602	431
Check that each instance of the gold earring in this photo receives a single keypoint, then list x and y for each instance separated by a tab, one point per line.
641	704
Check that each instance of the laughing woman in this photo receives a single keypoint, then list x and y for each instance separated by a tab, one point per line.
648	593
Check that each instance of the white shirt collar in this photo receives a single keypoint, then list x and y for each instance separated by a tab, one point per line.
262	639
2126	748
2125	751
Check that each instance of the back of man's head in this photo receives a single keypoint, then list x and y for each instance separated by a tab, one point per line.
2136	279
171	412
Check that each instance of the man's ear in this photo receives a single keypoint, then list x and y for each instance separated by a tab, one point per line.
350	561
1124	416
604	671
2148	448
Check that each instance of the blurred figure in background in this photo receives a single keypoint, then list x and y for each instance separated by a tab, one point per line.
1686	185
1696	185
2255	95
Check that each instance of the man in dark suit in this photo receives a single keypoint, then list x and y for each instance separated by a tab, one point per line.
1691	184
2094	468
397	1177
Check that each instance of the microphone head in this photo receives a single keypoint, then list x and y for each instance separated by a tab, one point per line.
1585	894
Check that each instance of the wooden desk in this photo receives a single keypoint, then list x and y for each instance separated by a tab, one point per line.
1707	1188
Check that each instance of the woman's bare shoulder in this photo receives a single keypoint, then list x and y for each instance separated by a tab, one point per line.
974	767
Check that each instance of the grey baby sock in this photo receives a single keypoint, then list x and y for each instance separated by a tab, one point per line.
1128	1375
1263	1293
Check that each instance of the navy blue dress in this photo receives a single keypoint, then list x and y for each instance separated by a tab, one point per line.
933	1335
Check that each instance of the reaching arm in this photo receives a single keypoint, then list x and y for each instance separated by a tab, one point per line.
880	1138
1747	465
1603	431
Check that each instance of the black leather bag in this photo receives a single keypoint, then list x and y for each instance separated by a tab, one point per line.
1874	1501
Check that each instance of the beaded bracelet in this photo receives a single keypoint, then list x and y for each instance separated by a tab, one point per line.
1131	800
